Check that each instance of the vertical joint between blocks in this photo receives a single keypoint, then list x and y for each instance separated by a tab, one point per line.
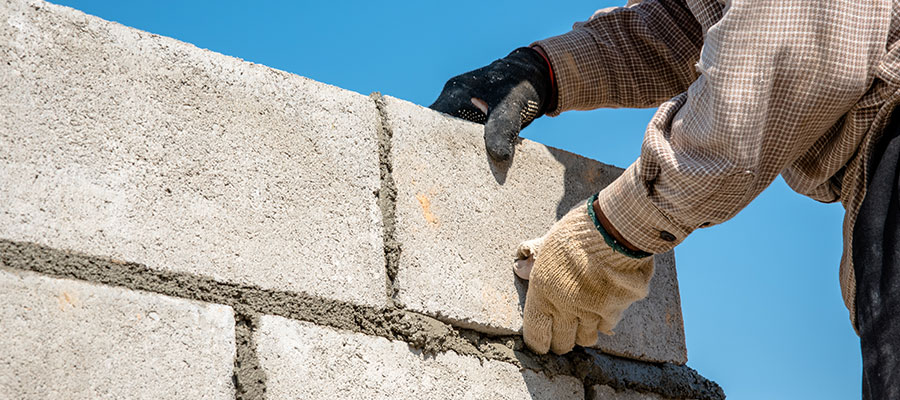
387	199
249	377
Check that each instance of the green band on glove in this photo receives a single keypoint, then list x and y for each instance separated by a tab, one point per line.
613	243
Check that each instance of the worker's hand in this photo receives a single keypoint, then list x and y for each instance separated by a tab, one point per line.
505	96
579	285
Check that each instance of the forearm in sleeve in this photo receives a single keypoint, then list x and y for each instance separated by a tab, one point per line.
775	75
635	56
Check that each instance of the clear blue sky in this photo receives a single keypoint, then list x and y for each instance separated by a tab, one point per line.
762	305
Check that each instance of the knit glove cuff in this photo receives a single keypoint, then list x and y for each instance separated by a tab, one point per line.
579	285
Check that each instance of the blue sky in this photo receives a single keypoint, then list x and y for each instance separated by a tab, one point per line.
762	306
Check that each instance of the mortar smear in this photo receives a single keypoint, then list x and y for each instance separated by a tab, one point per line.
420	331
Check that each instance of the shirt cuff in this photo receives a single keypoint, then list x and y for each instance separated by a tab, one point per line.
577	83
629	208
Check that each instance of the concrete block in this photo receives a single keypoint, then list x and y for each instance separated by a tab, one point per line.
603	392
652	329
460	218
305	361
129	145
69	339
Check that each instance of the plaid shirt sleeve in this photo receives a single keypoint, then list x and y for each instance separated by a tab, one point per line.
771	78
633	57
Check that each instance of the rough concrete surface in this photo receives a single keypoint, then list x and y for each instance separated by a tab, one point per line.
602	392
669	380
155	170
418	331
65	339
307	361
142	148
460	217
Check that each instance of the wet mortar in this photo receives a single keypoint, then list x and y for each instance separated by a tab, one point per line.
249	377
387	197
419	331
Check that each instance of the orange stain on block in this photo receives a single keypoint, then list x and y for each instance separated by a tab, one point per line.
425	203
65	299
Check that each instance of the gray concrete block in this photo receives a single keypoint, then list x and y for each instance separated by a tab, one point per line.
305	361
603	392
129	145
652	329
460	217
66	339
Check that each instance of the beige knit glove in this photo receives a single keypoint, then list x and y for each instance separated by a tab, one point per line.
578	285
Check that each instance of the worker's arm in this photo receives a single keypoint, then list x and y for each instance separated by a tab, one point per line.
630	57
635	56
774	77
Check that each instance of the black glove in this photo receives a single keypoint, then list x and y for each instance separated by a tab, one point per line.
517	89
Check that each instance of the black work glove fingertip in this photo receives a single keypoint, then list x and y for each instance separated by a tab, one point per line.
500	146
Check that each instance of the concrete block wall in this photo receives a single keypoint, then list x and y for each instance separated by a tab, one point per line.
176	223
